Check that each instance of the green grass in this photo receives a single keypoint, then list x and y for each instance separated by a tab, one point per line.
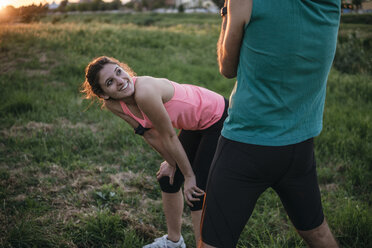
73	175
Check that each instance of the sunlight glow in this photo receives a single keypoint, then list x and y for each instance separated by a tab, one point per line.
4	3
18	3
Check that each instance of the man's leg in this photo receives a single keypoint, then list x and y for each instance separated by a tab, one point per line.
299	192
173	208
234	185
319	237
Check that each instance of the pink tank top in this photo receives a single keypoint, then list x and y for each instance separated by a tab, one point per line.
190	108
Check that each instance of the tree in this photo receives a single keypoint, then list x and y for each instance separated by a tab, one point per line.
32	12
357	3
115	4
62	6
181	9
219	3
97	5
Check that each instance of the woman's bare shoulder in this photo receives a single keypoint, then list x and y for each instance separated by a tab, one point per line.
151	89
149	81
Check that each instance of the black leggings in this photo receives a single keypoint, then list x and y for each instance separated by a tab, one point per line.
241	172
200	146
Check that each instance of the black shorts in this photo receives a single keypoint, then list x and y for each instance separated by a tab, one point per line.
200	146
241	172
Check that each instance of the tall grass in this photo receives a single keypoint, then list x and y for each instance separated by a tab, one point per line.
73	175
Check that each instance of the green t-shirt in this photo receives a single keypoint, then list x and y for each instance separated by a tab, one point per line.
285	57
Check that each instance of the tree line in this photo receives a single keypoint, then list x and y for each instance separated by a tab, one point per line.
25	14
95	5
32	13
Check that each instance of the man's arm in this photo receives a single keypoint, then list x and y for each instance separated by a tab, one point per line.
232	31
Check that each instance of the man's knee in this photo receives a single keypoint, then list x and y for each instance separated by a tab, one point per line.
319	237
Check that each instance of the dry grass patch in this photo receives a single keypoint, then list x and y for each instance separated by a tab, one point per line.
27	130
65	123
39	72
133	181
330	187
32	127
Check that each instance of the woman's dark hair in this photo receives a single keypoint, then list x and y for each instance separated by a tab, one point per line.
91	87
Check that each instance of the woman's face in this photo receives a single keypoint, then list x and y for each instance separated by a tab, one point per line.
115	82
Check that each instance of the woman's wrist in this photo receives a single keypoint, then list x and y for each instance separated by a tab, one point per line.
189	175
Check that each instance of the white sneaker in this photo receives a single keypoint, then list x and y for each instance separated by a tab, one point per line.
164	242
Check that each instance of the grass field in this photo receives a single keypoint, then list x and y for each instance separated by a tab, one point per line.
73	175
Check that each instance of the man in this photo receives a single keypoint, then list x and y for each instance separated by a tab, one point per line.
281	53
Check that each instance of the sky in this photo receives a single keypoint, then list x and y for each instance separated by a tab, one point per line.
18	3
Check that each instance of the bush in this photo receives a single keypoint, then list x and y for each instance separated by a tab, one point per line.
353	54
356	18
56	19
106	196
149	21
181	9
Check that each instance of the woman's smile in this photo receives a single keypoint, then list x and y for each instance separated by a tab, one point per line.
125	85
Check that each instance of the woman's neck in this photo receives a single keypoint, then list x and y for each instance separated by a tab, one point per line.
129	100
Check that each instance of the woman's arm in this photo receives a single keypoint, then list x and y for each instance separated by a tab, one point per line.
232	31
152	137
168	167
148	97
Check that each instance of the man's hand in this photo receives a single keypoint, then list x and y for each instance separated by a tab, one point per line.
166	170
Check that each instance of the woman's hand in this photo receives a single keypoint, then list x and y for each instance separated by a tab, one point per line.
190	190
166	170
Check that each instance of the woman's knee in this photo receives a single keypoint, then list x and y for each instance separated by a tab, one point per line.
166	187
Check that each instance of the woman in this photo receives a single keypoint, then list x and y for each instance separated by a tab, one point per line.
154	107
